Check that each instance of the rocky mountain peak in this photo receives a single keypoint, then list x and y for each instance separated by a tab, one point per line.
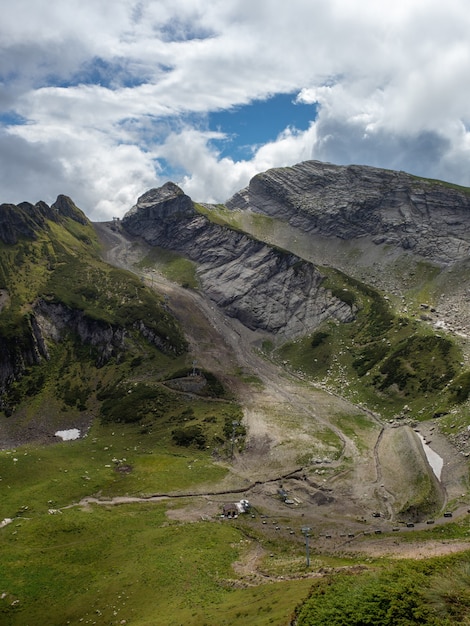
168	202
20	221
65	206
25	219
265	288
429	218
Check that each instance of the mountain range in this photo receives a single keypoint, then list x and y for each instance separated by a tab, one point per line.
302	250
304	347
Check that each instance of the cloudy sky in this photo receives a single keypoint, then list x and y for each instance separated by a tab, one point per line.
103	99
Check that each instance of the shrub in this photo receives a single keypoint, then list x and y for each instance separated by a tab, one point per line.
386	599
460	388
122	404
318	338
419	364
189	435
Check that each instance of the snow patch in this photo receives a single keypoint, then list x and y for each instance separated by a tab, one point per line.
435	461
68	435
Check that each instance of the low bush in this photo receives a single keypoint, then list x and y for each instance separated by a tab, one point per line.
189	435
405	595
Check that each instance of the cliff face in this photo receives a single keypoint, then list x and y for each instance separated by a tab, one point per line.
19	352
428	218
263	287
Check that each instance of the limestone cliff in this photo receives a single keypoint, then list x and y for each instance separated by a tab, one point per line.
428	218
264	287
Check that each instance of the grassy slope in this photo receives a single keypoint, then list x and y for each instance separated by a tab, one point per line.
63	266
105	564
128	562
383	360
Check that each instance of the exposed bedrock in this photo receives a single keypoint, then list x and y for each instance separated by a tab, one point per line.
264	287
428	218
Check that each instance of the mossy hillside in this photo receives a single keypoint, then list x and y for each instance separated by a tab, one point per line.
26	266
110	295
218	214
62	265
382	359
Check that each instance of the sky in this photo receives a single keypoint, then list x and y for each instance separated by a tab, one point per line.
103	100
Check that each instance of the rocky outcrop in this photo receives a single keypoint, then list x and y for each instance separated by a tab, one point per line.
265	288
55	320
25	219
66	207
428	218
20	351
52	322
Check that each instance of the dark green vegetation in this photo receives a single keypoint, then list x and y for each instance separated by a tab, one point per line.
382	359
178	418
433	593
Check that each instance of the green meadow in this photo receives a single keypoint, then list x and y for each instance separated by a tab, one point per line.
65	563
68	561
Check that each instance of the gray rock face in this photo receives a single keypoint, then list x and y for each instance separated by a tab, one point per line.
16	355
52	322
428	218
65	206
55	320
263	287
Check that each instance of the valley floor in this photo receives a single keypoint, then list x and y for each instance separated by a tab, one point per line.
306	460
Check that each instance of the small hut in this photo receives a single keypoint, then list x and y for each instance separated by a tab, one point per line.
230	510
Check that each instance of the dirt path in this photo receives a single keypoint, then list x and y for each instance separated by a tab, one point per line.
290	424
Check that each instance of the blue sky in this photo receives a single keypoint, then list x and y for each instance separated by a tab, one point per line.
250	126
102	101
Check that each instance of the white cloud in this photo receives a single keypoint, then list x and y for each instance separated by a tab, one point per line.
108	90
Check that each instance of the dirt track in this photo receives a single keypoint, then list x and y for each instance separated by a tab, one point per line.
291	425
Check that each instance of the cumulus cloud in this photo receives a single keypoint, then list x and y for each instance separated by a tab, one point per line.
103	100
